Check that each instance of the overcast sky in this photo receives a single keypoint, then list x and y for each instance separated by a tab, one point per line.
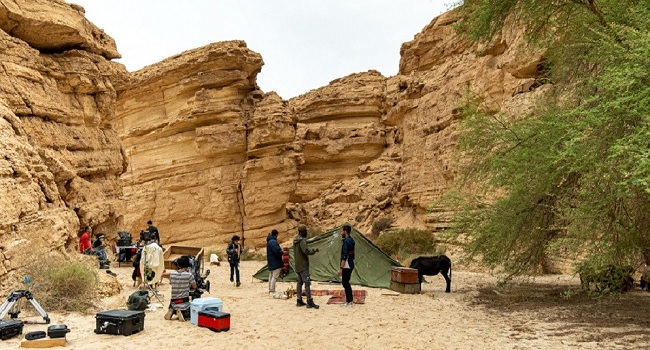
305	44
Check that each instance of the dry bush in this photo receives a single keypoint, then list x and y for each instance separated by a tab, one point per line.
407	243
253	254
61	284
380	225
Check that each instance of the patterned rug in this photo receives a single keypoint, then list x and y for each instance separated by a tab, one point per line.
358	299
338	296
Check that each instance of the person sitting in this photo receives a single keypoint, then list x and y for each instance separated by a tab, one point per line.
84	241
182	281
97	248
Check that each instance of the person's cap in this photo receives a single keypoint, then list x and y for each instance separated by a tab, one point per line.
182	262
302	228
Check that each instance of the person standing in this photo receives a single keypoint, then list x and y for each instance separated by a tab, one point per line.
347	263
234	252
273	260
153	232
301	253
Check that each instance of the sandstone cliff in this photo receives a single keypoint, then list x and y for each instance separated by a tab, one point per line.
211	156
60	159
195	145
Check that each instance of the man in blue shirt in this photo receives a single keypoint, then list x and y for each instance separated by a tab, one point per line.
347	263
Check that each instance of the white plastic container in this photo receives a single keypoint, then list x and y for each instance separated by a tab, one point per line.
201	304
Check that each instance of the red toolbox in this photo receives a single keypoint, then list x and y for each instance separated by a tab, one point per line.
215	320
404	275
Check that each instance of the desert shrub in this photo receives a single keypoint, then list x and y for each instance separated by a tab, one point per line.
380	225
252	254
605	279
64	285
407	242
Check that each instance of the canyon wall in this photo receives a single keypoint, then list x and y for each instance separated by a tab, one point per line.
60	161
211	155
195	145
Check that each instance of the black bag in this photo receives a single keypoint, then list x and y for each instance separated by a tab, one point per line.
57	331
138	300
35	335
230	252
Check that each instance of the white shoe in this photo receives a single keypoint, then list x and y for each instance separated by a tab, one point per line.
347	304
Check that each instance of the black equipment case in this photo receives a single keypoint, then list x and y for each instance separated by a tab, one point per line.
10	328
57	331
124	322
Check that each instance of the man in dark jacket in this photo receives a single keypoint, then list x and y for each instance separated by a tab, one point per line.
234	251
153	231
301	253
347	263
274	260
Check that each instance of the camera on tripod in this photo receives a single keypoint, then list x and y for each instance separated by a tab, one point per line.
195	268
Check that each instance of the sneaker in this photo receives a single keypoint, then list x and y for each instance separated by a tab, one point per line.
180	316
347	304
168	315
238	284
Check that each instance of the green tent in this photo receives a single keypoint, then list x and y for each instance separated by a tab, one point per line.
371	265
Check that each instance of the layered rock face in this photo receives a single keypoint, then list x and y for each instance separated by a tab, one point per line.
182	123
211	156
60	161
439	72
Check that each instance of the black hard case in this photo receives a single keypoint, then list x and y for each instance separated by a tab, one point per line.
57	331
124	322
10	328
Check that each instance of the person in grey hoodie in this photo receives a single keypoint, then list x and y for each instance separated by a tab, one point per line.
274	260
301	253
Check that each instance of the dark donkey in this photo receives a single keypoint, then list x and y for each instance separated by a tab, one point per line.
431	265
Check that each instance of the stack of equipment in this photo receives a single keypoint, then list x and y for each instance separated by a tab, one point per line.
124	322
202	304
404	280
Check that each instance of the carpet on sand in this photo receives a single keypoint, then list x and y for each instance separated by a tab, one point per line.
338	296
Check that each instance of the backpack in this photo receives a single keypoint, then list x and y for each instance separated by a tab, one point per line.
230	251
138	300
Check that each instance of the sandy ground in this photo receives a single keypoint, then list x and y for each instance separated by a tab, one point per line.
533	315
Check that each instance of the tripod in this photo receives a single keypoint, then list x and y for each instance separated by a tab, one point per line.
10	307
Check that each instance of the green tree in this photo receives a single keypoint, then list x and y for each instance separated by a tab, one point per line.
574	175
